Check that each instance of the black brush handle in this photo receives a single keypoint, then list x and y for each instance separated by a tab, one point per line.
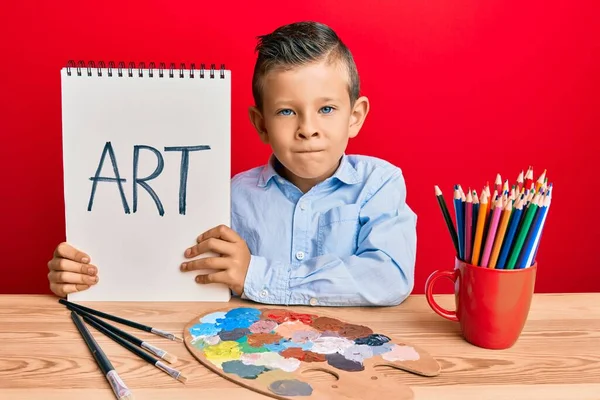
107	316
94	347
121	341
112	328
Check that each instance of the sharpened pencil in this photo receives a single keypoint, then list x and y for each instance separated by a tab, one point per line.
523	231
135	350
447	218
483	205
124	321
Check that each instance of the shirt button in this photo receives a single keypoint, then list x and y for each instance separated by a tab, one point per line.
303	206
300	255
280	180
264	293
313	302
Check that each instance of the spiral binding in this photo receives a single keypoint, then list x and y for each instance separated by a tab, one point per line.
129	70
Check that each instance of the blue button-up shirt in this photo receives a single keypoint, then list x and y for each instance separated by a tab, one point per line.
349	241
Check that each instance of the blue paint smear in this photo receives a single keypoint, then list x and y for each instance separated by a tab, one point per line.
375	339
384	348
204	330
243	312
304	346
238	318
230	324
212	318
275	347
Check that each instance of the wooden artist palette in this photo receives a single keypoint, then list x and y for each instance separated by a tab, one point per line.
269	349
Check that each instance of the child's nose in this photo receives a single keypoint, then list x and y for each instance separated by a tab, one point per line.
306	129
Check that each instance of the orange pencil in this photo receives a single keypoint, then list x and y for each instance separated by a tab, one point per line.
500	235
483	205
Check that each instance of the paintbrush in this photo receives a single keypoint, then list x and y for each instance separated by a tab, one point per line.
124	321
118	386
139	342
135	350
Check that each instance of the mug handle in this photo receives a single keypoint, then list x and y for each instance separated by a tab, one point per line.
452	275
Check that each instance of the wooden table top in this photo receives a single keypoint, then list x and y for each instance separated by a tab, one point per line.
42	355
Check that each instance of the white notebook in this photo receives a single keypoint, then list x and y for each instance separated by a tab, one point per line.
146	153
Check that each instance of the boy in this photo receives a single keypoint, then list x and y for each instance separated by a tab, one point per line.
314	225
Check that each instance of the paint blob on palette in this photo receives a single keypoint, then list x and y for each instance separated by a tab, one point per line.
267	349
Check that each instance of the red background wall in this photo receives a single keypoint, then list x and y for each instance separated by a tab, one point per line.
459	90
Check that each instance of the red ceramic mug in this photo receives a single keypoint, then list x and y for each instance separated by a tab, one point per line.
491	304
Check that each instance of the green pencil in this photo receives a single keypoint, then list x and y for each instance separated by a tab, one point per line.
524	228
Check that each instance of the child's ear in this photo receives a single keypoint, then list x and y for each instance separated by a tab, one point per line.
258	121
358	115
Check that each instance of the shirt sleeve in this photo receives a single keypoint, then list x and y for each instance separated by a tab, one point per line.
380	273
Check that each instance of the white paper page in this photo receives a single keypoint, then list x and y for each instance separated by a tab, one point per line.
138	253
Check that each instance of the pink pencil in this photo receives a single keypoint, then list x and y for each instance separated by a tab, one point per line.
485	258
468	226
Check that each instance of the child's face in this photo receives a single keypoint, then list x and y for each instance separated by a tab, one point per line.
307	120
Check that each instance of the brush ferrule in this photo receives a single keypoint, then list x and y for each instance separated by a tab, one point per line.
171	371
118	386
165	334
154	350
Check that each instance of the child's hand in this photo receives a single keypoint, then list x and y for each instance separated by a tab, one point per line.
70	271
231	266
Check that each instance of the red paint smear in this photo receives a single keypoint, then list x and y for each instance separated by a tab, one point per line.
302	355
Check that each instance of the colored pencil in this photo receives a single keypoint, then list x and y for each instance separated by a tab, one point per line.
124	321
488	218
119	388
520	181
468	226
540	181
529	246
537	245
523	231
447	218
536	241
135	350
474	224
491	233
514	222
506	213
479	230
459	222
138	342
498	183
529	178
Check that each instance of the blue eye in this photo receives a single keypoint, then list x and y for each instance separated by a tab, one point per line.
286	111
327	110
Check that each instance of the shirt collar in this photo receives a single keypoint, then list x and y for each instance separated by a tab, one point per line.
345	173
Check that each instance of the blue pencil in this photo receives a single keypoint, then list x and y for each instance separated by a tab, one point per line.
528	247
510	234
460	223
475	213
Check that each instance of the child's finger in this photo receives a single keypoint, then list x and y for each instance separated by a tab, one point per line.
217	277
206	263
212	244
220	232
62	264
71	277
61	289
65	250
